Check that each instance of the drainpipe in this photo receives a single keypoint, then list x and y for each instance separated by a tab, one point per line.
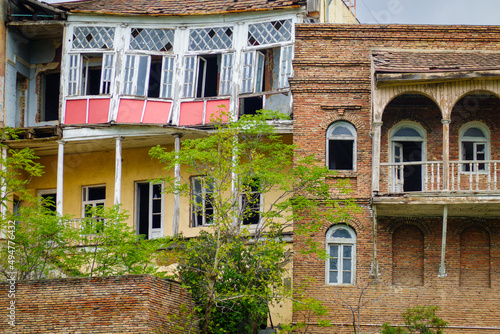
118	171
374	267
442	265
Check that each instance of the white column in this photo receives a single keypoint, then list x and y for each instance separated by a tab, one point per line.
442	265
376	139
118	170
60	177
446	153
177	196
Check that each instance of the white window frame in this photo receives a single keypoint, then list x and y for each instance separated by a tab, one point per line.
42	192
475	142
152	232
93	203
77	79
398	174
193	202
341	243
131	78
286	68
191	66
353	138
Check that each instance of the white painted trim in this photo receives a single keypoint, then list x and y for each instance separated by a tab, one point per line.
118	171
60	176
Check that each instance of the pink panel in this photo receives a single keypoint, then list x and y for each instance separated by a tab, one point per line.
130	111
157	112
76	112
98	111
191	113
214	108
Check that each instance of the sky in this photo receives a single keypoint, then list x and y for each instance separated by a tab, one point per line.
482	12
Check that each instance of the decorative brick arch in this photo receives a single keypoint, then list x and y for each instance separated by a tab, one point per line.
466	223
348	117
396	223
354	223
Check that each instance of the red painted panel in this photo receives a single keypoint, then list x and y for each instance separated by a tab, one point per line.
130	111
76	112
191	113
98	111
215	107
157	112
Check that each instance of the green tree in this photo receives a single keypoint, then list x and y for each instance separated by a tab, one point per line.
418	320
235	269
42	244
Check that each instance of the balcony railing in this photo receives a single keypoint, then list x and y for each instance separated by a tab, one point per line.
428	176
86	238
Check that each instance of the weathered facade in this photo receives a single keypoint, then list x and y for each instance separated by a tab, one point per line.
409	115
96	84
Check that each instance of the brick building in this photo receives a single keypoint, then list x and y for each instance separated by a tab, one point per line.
410	116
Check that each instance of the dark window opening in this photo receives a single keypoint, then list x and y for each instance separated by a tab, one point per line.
251	203
155	76
143	209
49	201
208	76
250	105
92	68
340	155
50	84
412	152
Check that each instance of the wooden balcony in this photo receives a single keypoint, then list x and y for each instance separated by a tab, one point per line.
470	188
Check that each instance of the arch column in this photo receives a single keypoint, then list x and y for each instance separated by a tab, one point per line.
446	154
376	139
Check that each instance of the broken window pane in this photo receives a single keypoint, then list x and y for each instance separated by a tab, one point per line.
211	39
269	32
248	72
93	37
152	39
286	70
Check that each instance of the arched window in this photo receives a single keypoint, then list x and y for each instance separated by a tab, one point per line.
407	141
341	146
474	146
341	250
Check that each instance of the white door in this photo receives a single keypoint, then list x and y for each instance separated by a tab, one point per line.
155	210
397	171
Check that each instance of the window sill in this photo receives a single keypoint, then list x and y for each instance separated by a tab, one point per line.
343	174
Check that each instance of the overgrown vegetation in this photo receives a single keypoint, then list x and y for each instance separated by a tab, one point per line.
42	244
246	196
418	320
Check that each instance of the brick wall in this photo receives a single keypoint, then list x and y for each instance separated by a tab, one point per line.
333	82
118	304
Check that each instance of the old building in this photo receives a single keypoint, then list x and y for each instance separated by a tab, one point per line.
410	116
95	84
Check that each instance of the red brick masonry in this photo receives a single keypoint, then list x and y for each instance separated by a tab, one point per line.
118	304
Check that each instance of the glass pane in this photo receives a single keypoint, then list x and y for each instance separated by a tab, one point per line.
211	39
346	277
269	32
96	193
93	37
346	264
156	206
142	71
474	132
341	233
156	221
334	251
407	132
347	252
341	154
333	277
157	191
333	264
152	39
341	131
